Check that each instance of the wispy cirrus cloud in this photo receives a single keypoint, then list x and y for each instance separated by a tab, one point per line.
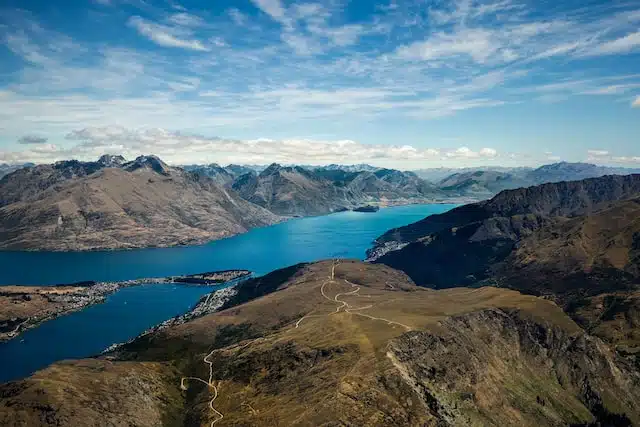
165	35
625	44
284	68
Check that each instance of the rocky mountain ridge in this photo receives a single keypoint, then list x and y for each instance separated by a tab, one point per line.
577	243
487	182
114	204
294	190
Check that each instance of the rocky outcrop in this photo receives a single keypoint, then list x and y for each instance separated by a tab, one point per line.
501	368
222	176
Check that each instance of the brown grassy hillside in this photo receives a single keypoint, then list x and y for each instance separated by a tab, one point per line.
359	344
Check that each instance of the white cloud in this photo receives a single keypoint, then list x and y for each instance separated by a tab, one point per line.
611	89
237	17
164	35
605	157
313	72
597	153
186	19
273	8
476	44
179	148
626	160
636	102
621	45
466	152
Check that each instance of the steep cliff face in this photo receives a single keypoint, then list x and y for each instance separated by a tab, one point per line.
497	367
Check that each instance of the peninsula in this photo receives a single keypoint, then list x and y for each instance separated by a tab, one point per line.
24	307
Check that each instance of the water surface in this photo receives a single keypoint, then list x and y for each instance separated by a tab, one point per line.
132	310
123	316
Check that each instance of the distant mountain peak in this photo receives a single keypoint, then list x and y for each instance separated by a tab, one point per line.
111	160
148	161
271	169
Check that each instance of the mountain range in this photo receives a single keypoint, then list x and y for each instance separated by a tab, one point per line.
438	174
296	191
576	243
115	204
519	310
6	168
483	183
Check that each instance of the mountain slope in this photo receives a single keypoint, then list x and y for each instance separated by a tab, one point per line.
435	175
85	206
486	183
6	168
222	176
554	199
294	190
347	344
577	243
481	183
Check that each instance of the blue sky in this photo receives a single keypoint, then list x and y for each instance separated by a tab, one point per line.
405	84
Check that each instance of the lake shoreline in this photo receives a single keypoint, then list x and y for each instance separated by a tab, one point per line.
50	302
127	313
206	241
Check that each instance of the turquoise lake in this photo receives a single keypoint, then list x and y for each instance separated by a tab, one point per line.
131	310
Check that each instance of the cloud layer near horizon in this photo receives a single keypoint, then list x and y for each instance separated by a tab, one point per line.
178	148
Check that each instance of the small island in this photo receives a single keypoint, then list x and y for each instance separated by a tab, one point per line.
24	307
367	208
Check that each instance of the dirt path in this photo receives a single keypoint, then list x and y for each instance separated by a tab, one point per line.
344	305
209	384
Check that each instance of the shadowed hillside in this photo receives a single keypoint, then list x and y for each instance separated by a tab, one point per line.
574	242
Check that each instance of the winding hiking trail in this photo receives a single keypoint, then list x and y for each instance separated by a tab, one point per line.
343	306
15	331
209	384
348	308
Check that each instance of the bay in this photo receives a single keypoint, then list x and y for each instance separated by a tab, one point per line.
132	310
